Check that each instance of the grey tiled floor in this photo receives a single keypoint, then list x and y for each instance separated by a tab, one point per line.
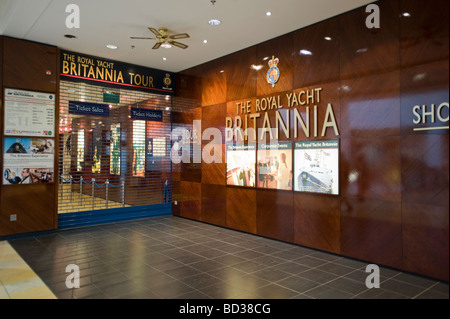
175	258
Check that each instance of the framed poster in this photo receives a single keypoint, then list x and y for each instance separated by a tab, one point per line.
274	165
28	160
316	167
29	113
114	167
241	162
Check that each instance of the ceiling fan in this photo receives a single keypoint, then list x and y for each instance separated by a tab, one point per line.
165	40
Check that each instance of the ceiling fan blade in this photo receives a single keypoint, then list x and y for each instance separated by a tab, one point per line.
142	38
178	44
155	32
156	46
179	36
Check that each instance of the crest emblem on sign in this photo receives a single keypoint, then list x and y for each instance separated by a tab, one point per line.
167	80
273	75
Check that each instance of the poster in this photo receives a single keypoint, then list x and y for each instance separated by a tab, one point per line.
274	166
29	113
80	150
159	147
115	149
96	150
316	167
139	148
28	160
241	162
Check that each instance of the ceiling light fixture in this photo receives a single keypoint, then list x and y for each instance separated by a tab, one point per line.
214	22
166	45
328	38
205	41
406	14
111	46
164	58
268	13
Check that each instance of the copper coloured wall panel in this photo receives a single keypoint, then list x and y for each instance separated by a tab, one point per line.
425	239
214	82
241	77
275	214
317	221
241	209
364	50
371	230
29	65
316	54
370	105
424	34
214	204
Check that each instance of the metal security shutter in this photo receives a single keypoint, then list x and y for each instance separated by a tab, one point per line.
114	161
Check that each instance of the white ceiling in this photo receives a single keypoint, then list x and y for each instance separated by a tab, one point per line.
244	23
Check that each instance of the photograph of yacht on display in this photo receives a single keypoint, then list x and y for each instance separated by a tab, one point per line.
316	167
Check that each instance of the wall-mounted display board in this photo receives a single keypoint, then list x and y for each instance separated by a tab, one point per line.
28	160
316	167
274	165
241	163
29	113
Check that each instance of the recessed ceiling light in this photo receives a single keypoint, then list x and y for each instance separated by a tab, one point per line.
328	38
268	13
305	52
266	58
214	22
205	41
222	71
406	14
164	58
111	46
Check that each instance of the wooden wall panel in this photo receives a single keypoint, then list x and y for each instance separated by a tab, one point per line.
322	40
241	209
424	37
190	200
371	230
275	214
425	167
425	240
370	106
214	82
214	204
34	206
25	65
370	168
241	78
367	51
317	221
